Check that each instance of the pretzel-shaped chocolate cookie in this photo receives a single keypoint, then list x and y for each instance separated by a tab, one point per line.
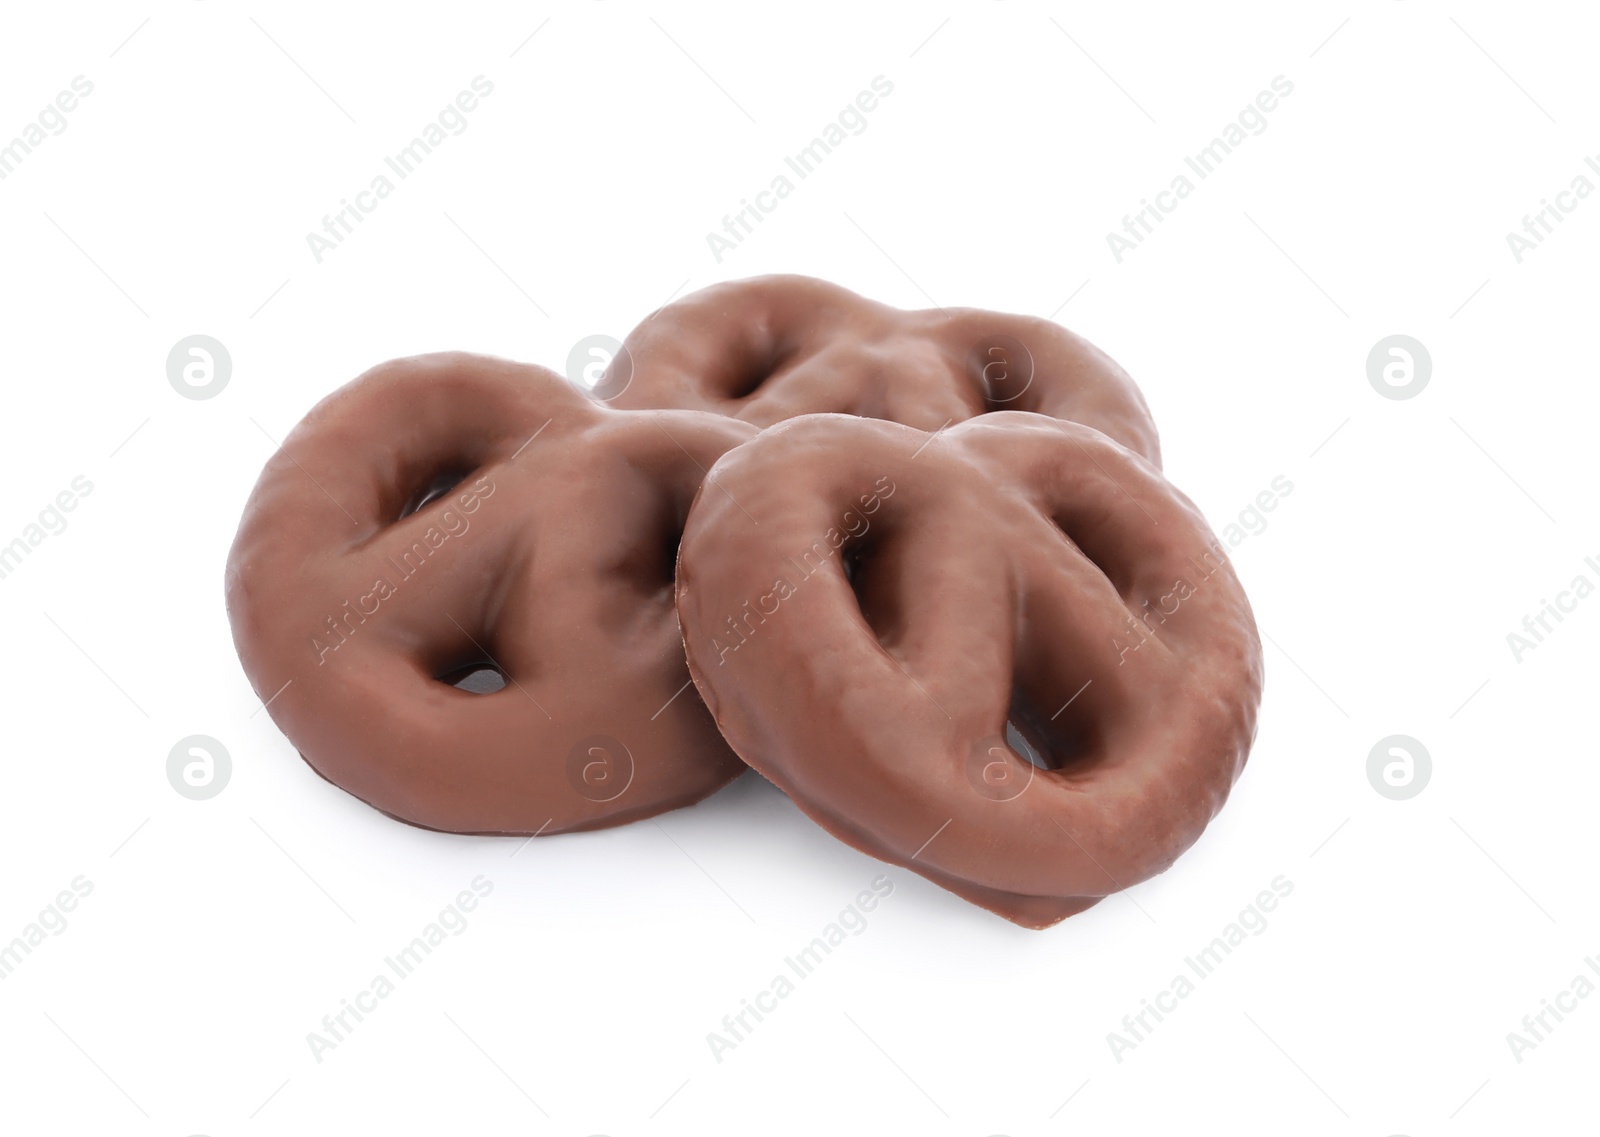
773	347
866	607
454	514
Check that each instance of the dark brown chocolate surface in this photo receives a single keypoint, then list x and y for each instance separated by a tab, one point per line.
546	554
773	347
866	606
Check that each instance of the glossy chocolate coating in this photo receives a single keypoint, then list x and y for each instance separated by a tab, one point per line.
773	347
866	606
548	552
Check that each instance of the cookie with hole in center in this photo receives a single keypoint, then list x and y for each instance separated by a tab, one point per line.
772	347
452	589
1008	656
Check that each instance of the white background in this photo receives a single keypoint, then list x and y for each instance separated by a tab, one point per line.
1419	533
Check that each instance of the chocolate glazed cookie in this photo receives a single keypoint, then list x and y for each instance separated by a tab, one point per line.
867	607
773	347
450	515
